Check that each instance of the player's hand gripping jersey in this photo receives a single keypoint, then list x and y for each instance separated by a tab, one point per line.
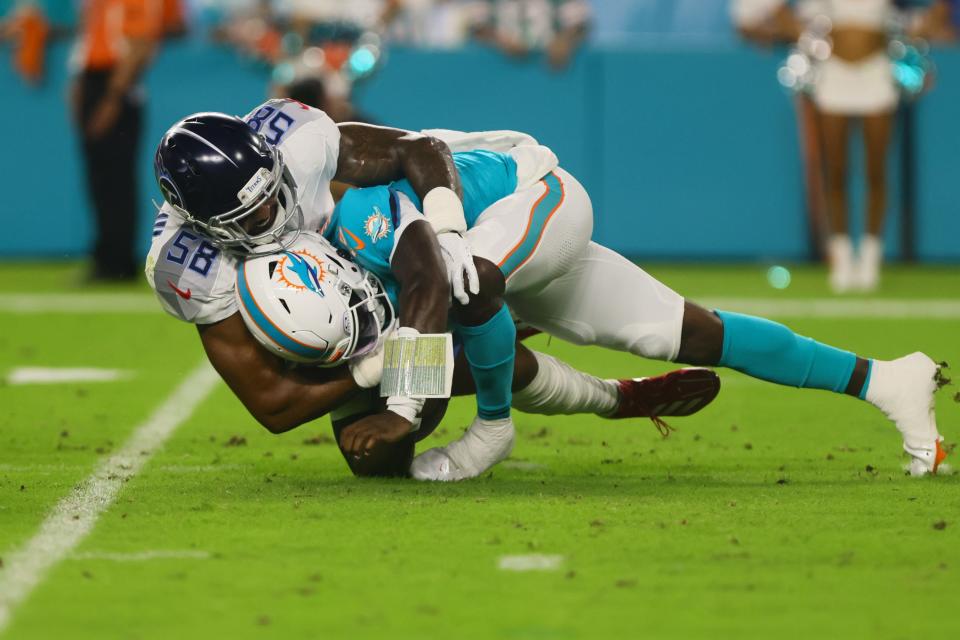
195	280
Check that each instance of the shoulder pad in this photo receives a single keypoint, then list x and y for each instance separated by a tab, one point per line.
193	280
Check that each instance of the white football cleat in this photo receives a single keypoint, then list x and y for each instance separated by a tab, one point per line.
484	444
903	389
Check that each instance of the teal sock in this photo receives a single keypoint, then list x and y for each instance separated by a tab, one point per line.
490	349
770	351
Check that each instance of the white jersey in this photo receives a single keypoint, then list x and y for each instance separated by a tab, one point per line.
192	278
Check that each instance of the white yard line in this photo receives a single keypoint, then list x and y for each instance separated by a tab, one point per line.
79	303
75	516
530	562
777	307
38	468
59	375
142	556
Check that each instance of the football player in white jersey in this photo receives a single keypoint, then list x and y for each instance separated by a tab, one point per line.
219	173
232	187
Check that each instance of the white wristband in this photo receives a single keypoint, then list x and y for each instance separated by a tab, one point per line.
407	408
443	209
366	371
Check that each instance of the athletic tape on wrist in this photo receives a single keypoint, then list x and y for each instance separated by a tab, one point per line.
417	365
443	209
406	408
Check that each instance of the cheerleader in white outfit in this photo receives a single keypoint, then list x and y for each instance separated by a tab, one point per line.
855	82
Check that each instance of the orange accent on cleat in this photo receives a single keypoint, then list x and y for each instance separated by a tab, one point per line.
940	456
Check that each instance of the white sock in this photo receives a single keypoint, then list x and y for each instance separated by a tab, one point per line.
560	389
871	257
840	254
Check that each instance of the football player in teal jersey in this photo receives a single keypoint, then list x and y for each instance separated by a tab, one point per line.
528	228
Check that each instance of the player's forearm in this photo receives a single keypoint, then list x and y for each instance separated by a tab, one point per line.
424	305
278	395
300	397
424	287
427	163
371	155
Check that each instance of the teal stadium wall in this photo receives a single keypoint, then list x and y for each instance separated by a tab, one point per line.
689	151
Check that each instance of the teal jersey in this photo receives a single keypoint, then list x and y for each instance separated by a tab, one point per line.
364	224
365	221
486	176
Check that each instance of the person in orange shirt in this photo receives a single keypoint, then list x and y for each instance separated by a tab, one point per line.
116	41
28	28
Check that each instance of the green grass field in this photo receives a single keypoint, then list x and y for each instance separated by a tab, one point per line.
773	513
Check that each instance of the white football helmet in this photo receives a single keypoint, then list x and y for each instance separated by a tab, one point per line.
310	304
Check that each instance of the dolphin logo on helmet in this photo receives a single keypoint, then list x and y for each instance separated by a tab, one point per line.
295	323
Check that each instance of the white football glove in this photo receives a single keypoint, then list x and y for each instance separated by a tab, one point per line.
459	260
368	368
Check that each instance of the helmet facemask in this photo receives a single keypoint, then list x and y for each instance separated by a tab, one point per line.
368	317
226	229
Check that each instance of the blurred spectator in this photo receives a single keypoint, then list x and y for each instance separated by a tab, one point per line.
311	91
173	21
849	79
518	27
28	28
855	83
254	30
765	22
116	42
432	24
941	23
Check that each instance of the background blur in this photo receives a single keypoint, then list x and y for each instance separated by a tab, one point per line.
681	132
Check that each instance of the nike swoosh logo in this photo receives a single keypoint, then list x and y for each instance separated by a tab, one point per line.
358	244
180	292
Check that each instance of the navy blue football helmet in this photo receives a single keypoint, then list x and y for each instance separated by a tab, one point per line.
215	171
